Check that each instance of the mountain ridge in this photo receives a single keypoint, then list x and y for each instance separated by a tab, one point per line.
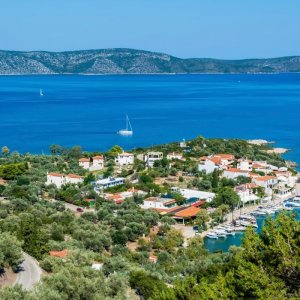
132	61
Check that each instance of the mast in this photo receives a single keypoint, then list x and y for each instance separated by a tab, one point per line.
128	125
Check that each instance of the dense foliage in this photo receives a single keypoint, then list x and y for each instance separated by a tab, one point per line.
142	253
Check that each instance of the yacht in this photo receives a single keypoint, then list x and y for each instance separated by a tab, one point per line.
41	93
128	130
294	202
221	233
212	235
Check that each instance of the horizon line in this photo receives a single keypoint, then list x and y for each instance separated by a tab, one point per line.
150	51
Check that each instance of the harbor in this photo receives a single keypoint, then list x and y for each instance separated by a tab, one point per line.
231	232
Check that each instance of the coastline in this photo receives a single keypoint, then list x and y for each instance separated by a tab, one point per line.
132	74
244	210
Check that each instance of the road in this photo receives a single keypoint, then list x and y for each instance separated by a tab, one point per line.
73	207
30	273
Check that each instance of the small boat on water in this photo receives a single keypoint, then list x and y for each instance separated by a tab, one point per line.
220	233
212	235
294	202
258	213
41	93
128	130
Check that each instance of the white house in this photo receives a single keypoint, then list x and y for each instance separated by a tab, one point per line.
245	165
124	159
174	155
158	203
84	163
97	163
213	162
233	173
73	179
267	182
60	179
56	179
245	192
208	165
94	164
189	193
151	157
102	184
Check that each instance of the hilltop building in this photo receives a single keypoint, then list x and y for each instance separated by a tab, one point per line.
124	159
95	163
60	179
152	156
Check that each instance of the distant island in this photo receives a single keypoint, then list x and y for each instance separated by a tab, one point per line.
130	61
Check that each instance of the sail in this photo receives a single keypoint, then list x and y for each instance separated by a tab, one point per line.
128	129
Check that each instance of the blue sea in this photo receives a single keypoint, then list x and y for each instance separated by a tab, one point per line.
89	110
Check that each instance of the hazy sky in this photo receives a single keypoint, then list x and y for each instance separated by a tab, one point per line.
184	28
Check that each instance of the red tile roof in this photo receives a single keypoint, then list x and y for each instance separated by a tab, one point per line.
61	254
98	157
56	174
225	156
189	212
126	154
236	170
74	176
265	178
84	159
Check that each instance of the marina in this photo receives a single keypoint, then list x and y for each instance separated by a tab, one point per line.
222	237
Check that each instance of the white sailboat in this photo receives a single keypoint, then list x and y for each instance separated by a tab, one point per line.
41	93
128	129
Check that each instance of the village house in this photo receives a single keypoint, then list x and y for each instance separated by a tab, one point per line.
174	156
246	192
208	164
158	203
119	198
84	163
152	156
189	194
102	184
95	163
60	179
186	213
233	173
244	164
267	182
124	159
213	162
286	176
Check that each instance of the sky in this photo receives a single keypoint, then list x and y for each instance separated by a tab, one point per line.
228	29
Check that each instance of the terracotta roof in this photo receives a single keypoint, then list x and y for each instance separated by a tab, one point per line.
74	176
236	170
61	254
199	203
258	166
216	160
225	156
98	157
126	154
265	178
84	159
191	211
55	174
89	200
153	258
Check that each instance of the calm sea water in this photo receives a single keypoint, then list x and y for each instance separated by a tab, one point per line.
223	244
89	110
